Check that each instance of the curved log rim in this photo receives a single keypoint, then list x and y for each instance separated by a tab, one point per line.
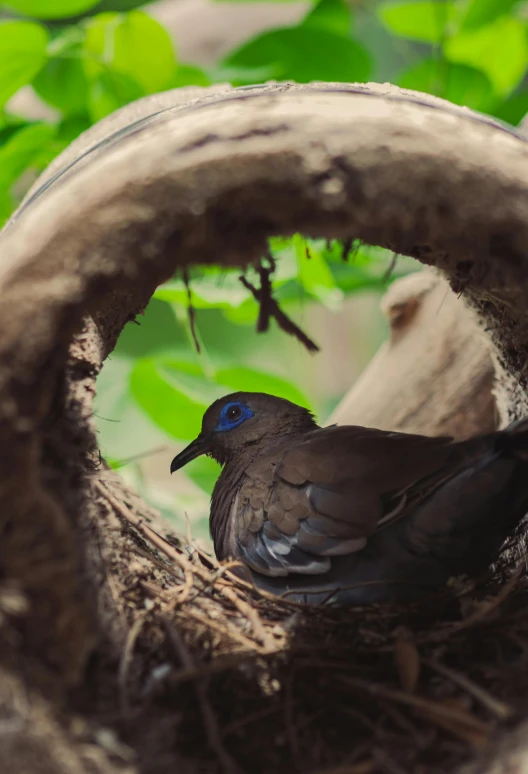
181	179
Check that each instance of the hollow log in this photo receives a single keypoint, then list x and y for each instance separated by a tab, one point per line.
94	604
434	374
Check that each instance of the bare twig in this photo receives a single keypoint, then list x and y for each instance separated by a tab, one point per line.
265	273
498	708
249	613
273	310
212	729
432	708
483	611
190	309
387	275
126	658
347	247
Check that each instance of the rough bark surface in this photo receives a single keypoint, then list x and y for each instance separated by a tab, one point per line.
203	177
434	375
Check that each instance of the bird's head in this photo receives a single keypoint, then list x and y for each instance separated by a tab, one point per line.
241	420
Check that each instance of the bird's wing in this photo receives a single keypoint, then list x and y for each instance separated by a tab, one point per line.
324	495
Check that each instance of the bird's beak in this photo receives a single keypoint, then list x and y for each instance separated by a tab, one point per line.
195	449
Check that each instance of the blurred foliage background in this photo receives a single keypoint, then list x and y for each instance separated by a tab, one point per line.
65	64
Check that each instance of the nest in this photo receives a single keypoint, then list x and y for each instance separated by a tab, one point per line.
243	681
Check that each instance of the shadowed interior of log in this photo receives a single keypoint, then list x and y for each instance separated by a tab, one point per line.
206	182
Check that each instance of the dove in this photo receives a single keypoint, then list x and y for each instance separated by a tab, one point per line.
349	515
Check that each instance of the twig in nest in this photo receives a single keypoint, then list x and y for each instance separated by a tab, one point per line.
212	729
155	592
434	709
251	614
126	658
190	309
498	708
387	275
247	612
271	309
483	611
237	725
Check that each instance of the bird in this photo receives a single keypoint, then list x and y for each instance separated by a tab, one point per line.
349	515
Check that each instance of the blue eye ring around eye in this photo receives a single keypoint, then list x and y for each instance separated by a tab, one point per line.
224	423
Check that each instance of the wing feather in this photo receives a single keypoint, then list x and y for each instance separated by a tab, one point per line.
325	495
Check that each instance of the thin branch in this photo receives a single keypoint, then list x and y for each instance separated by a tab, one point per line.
190	309
388	273
126	659
347	247
273	310
212	728
498	708
265	273
247	612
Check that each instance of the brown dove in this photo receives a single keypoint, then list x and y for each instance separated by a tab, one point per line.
354	515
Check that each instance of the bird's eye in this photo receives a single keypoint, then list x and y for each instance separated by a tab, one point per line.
234	413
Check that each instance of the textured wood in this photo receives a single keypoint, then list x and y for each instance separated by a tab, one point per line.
435	373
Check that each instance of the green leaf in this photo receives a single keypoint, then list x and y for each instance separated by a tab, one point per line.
513	109
252	380
66	131
248	76
244	315
10	125
189	75
22	54
188	377
499	50
458	83
50	9
304	54
21	150
133	45
332	15
110	90
123	428
315	275
366	269
203	471
63	82
255	1
7	205
481	12
104	6
214	290
70	128
164	394
157	331
174	393
426	20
